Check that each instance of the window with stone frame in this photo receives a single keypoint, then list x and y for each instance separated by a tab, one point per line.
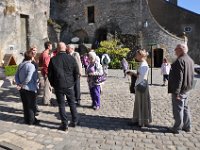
91	14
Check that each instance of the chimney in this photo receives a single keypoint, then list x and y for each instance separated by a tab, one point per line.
175	2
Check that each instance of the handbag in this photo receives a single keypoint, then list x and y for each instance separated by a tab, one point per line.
99	79
132	86
141	87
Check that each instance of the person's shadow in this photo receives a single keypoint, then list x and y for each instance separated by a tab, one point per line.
90	121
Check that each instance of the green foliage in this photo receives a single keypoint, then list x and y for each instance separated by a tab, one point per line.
115	51
133	64
115	64
10	70
54	23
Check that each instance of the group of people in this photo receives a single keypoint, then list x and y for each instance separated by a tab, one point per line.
63	71
180	76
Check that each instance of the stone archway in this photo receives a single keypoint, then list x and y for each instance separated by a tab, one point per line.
101	34
82	34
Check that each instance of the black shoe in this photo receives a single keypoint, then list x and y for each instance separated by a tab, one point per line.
74	124
63	127
174	131
187	130
37	122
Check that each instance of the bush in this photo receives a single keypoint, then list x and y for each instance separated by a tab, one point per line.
133	64
10	70
115	51
115	64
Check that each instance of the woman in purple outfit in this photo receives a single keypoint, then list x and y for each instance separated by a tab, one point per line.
94	70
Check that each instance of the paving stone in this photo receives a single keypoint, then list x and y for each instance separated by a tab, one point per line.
103	129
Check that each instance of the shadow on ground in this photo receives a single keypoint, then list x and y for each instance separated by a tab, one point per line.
89	121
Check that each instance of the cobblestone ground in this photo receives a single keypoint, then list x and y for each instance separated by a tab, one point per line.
106	128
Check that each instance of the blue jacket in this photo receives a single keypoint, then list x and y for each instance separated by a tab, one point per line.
27	76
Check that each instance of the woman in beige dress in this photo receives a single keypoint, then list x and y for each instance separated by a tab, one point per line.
142	106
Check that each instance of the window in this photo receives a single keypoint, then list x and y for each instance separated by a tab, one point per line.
187	29
90	11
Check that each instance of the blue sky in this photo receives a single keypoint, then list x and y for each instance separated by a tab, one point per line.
193	5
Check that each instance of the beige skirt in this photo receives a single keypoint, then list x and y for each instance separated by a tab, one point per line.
142	108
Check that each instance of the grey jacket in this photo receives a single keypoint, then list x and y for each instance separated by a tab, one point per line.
181	75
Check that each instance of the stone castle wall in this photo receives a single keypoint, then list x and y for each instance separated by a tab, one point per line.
176	19
37	12
124	16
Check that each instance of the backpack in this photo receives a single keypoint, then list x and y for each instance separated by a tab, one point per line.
105	60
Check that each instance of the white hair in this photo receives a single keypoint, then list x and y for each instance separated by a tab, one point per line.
92	55
184	47
71	46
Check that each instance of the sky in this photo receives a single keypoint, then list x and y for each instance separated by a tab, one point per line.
192	5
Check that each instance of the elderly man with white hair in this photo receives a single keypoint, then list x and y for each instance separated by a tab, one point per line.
71	51
180	83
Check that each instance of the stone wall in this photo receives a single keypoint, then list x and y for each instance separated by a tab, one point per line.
114	15
127	17
37	13
157	36
175	20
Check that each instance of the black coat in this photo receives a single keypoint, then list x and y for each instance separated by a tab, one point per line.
62	71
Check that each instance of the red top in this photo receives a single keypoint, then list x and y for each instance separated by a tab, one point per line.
45	58
55	52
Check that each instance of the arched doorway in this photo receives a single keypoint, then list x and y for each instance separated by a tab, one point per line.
100	35
158	57
82	34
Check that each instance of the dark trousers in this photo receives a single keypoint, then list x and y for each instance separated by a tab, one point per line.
77	90
61	104
165	77
29	105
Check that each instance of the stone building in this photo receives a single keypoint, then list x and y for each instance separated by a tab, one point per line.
22	23
149	23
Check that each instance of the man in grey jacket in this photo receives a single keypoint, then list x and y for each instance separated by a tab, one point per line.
180	82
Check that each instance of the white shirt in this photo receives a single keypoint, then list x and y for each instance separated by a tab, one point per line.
165	68
142	72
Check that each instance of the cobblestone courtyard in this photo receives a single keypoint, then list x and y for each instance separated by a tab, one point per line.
106	128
